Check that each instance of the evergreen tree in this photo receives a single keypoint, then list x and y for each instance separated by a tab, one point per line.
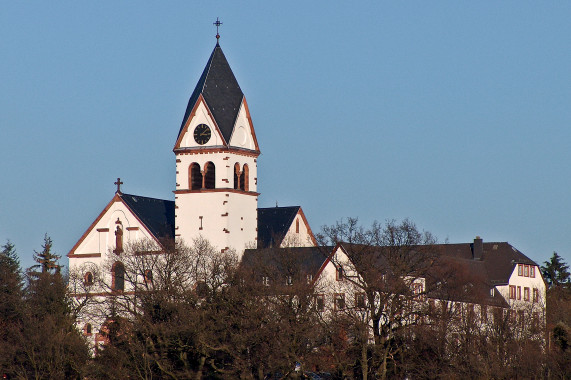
11	307
49	346
11	284
46	260
556	271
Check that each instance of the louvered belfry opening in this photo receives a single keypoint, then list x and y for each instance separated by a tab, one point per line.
209	176
195	176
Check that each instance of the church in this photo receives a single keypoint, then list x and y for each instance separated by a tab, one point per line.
215	198
215	195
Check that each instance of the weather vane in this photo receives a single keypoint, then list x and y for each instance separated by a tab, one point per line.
217	23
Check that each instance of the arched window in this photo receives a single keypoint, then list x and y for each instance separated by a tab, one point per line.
87	329
148	276
244	178
118	276
237	175
209	176
88	278
194	177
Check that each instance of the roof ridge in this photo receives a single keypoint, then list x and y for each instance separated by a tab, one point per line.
142	196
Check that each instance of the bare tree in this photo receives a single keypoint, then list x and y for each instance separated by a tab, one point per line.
384	279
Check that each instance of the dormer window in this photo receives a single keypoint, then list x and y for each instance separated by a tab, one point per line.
525	270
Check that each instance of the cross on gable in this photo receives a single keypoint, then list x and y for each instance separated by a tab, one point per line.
118	183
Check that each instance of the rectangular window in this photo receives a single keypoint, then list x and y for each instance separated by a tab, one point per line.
535	320
289	281
511	316
535	295
519	292
320	302
512	292
526	270
339	273
532	271
417	290
520	269
309	278
266	281
526	294
471	314
483	313
339	301
360	300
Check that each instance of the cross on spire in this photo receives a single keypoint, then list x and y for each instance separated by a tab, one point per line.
217	23
118	183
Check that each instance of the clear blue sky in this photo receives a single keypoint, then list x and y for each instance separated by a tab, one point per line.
456	114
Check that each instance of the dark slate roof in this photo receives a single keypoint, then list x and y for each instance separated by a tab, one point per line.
273	224
467	279
285	261
156	214
499	259
221	92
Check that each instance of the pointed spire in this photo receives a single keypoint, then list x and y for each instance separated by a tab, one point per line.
220	90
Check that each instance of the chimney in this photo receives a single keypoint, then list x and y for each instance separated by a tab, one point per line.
478	248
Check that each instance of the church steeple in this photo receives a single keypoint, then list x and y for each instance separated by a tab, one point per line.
216	162
221	92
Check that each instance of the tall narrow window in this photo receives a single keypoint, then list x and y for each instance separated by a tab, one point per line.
148	276
88	279
520	270
297	226
519	292
209	176
194	176
244	181
320	302
236	176
532	271
526	294
535	295
339	273
118	276
339	302
483	313
512	292
360	300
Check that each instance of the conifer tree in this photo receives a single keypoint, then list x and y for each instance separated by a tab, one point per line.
556	271
46	260
11	307
49	346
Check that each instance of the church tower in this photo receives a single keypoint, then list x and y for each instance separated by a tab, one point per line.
216	163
